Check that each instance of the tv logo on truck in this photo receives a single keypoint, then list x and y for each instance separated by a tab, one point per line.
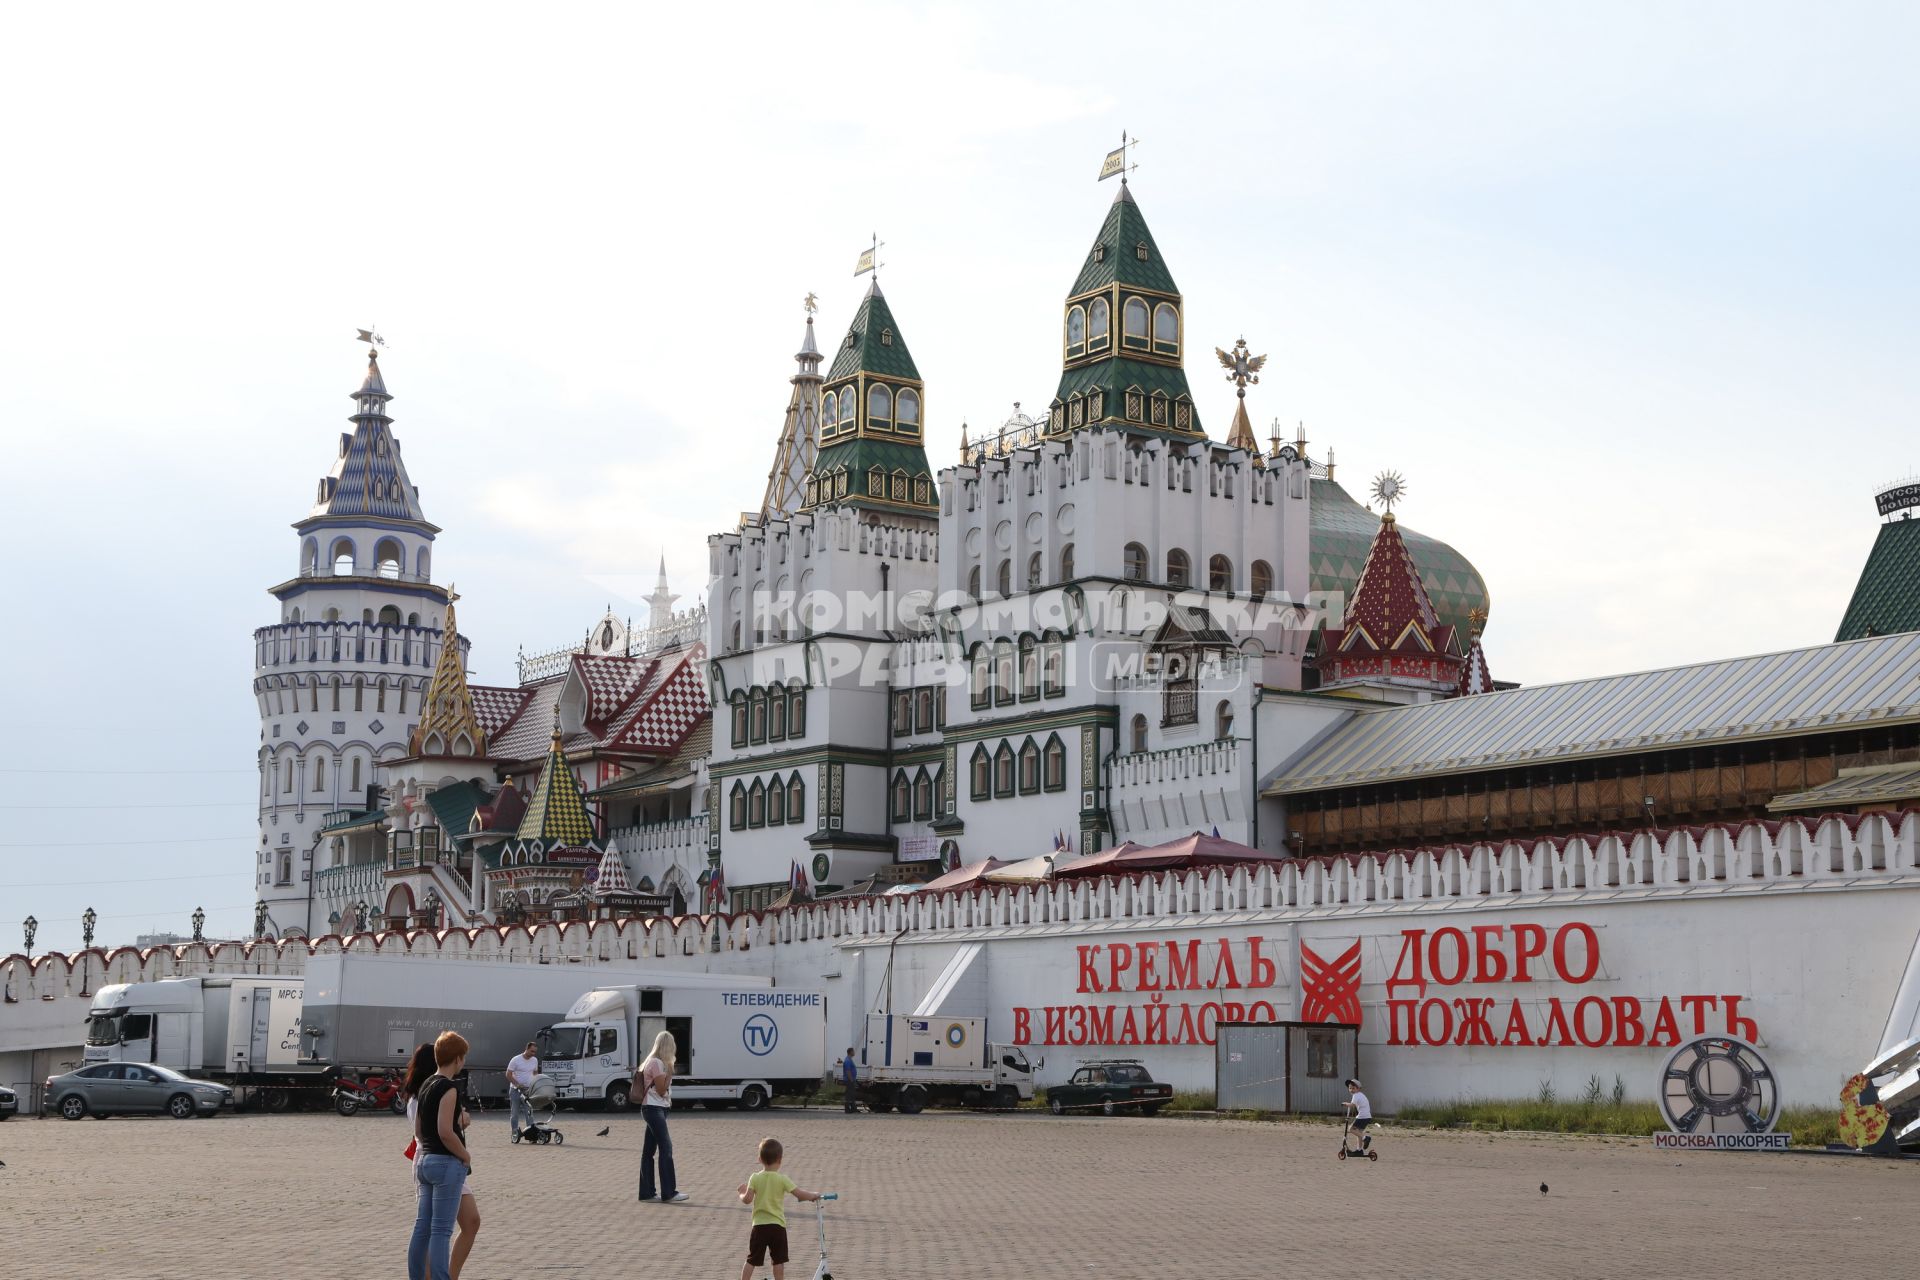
760	1035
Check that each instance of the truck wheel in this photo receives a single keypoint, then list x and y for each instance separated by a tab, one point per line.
913	1100
345	1105
753	1098
1056	1106
619	1096
276	1100
1006	1097
73	1107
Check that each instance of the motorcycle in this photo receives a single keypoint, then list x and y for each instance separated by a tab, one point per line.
375	1090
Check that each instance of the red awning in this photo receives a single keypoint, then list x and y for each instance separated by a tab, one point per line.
961	877
1195	850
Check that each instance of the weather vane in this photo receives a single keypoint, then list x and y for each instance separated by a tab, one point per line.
1119	160
371	337
870	258
1389	487
1242	369
812	303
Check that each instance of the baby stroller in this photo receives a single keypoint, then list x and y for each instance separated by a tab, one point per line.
542	1101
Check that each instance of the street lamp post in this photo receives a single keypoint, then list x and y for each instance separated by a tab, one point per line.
32	927
199	923
87	921
259	919
360	916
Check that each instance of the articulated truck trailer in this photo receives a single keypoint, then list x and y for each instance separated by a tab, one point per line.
243	1031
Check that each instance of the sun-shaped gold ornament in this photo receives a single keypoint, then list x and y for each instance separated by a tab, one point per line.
1388	488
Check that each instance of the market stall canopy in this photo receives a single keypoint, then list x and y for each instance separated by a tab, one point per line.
963	877
1195	850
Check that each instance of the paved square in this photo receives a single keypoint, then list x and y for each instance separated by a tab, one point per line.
937	1195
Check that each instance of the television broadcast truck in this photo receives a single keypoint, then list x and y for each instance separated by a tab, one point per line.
242	1031
738	1041
913	1060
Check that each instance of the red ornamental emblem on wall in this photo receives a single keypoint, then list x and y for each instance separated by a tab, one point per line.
1330	991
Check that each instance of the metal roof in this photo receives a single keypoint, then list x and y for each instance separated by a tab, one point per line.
1876	784
1862	682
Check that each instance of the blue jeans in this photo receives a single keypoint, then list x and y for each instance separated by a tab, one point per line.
518	1112
439	1180
657	1140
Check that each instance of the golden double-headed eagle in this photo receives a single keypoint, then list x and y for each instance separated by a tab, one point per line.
1242	369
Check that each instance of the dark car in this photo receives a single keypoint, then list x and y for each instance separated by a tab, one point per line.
9	1102
1114	1086
130	1088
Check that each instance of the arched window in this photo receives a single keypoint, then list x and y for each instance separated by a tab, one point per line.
737	807
980	767
1139	735
1003	771
387	558
1029	768
1135	568
849	403
1076	331
981	683
776	802
319	773
380	695
1034	568
796	712
902	797
973	583
1066	563
1219	574
1053	776
422	562
829	409
757	804
336	693
757	721
776	717
353	783
342	558
1166	329
359	694
1223	721
1002	672
1053	666
739	701
1133	331
796	798
1029	668
1097	324
389	616
1003	578
879	406
1179	569
1262	576
906	409
922	797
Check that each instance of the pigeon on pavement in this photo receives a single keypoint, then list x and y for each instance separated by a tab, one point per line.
604	1132
1543	1188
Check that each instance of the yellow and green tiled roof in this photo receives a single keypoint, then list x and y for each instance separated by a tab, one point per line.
1887	598
1114	376
1342	536
557	813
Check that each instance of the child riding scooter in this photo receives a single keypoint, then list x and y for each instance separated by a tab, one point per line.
1359	1112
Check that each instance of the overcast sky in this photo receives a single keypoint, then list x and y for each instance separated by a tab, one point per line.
1625	291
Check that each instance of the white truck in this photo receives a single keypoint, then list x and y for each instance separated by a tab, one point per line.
738	1041
911	1061
239	1030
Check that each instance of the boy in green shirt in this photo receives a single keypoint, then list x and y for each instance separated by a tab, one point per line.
767	1192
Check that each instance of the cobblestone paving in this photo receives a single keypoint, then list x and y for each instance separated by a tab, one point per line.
937	1195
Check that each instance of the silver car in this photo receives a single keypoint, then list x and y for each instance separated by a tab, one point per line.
9	1102
128	1088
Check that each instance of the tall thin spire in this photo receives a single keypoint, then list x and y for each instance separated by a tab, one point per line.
660	603
448	715
799	435
368	478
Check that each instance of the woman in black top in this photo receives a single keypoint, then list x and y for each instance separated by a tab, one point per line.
441	1167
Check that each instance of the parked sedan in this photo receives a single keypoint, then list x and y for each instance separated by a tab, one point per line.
128	1088
9	1102
1113	1086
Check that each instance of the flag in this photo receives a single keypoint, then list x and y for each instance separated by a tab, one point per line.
1216	831
368	335
1116	162
1059	840
717	889
866	262
797	883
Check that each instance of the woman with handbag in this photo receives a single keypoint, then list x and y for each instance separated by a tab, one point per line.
419	1068
441	1165
656	1094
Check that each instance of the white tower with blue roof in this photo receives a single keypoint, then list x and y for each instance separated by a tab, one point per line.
341	677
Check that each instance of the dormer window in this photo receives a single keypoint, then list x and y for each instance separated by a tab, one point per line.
1183	416
1133	404
852	339
1134	326
1097	324
1096	405
1076	331
876	483
1076	411
1057	416
1099	253
886	337
1140	251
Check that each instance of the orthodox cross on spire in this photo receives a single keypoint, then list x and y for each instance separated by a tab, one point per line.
1118	161
1241	368
869	259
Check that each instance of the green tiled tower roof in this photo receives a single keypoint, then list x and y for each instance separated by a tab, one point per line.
1124	229
873	343
1887	598
873	362
557	813
1342	535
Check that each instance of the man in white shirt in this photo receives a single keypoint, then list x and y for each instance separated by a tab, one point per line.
1362	1113
521	1069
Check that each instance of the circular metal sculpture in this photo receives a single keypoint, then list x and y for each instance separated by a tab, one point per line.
1719	1084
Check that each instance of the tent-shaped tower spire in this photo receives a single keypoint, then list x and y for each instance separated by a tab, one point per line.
1392	637
799	443
448	726
557	813
872	422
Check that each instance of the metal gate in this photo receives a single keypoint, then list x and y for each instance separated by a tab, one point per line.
1296	1067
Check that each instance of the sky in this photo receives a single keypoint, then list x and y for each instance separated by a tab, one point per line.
1624	291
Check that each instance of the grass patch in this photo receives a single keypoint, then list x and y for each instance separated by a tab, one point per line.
1810	1126
1190	1102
